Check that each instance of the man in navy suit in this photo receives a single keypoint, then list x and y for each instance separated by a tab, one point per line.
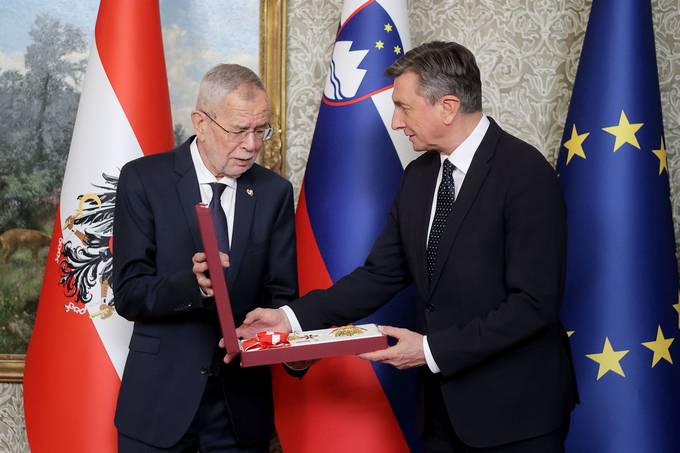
176	393
478	225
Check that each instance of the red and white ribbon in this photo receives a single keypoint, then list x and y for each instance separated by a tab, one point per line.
266	340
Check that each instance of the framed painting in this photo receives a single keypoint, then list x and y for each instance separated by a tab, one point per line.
43	56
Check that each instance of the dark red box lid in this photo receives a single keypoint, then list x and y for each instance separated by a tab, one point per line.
293	353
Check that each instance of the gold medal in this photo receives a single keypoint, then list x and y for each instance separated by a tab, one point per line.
347	331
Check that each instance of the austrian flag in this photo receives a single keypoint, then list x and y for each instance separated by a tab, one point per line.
79	344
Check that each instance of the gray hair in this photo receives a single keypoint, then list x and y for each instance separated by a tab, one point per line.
221	80
444	68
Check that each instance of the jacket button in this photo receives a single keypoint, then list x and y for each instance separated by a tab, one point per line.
204	371
429	307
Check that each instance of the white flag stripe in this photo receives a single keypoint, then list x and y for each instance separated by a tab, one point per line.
397	11
103	141
348	9
383	103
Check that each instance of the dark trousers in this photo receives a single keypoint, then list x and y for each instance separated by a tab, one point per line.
209	432
439	436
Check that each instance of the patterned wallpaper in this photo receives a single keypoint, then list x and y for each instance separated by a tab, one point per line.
12	427
527	51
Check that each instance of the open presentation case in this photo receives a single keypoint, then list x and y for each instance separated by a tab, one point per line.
278	347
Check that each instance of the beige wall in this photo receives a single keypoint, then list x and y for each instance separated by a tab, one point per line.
528	52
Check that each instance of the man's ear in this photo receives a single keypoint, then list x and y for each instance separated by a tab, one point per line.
449	107
199	123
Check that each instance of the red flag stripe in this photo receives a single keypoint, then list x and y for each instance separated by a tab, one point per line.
339	406
131	51
340	401
69	382
313	273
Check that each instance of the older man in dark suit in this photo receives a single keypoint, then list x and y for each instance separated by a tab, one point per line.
478	225
176	394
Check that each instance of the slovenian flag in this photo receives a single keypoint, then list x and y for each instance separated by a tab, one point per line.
353	172
79	344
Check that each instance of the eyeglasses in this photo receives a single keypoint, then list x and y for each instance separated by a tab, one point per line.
263	133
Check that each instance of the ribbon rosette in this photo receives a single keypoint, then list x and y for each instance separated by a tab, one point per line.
266	340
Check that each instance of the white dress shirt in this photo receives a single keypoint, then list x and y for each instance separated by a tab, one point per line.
205	177
461	157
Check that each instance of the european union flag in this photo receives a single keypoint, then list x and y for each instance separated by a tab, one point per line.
621	303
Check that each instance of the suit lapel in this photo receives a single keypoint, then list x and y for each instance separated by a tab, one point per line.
246	197
423	211
188	190
474	179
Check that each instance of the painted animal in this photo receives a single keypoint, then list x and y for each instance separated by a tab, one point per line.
15	238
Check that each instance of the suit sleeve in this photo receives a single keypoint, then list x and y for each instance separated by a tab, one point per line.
281	278
365	289
535	238
140	292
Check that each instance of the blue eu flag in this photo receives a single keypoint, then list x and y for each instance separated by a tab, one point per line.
621	304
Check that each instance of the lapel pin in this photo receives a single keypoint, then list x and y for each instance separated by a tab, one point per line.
250	192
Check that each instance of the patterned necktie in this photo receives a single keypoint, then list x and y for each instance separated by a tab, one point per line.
445	199
219	217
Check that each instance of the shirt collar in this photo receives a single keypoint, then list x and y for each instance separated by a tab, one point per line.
202	173
461	157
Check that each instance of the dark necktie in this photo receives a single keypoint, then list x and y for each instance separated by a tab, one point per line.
219	217
445	199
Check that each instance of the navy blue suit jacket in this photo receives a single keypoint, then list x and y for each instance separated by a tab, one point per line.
491	310
175	329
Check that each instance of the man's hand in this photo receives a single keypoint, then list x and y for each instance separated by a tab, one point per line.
407	353
258	320
263	319
228	357
201	267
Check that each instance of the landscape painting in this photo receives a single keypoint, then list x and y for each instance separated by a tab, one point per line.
44	49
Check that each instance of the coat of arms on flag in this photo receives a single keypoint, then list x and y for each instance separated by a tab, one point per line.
79	345
352	175
85	256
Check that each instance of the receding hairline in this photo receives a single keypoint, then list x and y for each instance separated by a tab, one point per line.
224	79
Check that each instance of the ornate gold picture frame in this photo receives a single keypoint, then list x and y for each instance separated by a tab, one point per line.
273	73
272	63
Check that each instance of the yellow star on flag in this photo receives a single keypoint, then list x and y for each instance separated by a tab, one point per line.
663	157
660	346
388	28
608	359
677	308
624	132
379	44
575	144
397	50
570	333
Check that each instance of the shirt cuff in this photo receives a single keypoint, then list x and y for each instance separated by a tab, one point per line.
292	319
431	364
